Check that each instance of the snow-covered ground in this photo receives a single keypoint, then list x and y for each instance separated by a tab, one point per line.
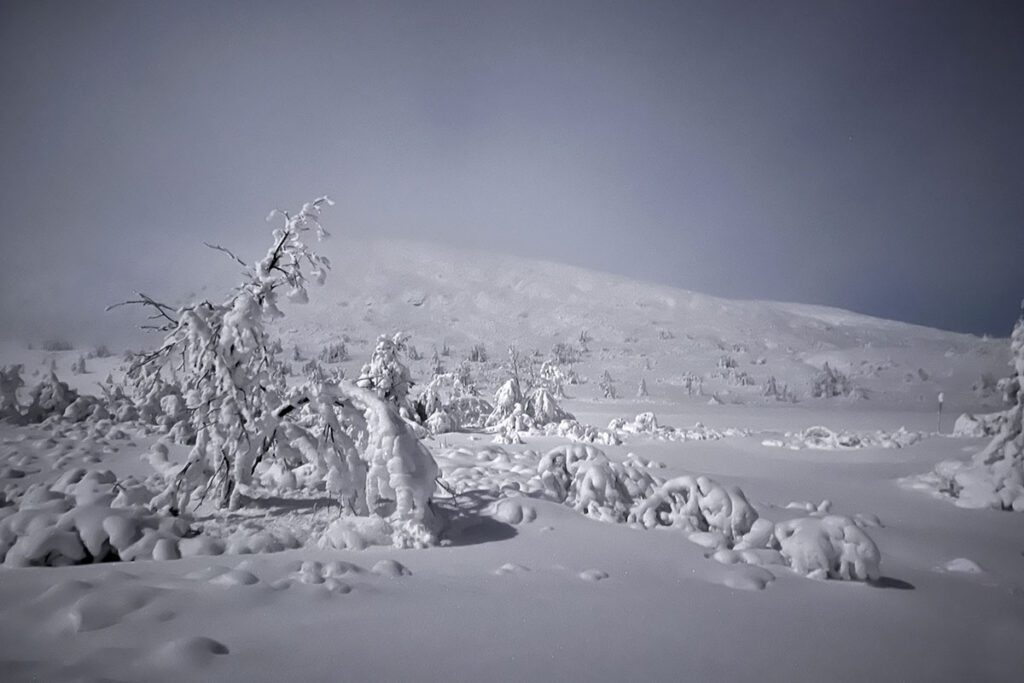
534	579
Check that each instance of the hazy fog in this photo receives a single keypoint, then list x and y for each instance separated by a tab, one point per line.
865	155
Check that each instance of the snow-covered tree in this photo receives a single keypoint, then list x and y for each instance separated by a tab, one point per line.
225	359
995	475
641	391
830	383
386	374
334	353
10	382
478	354
48	398
607	385
436	366
552	377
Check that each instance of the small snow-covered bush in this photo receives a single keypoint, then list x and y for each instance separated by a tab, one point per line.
698	504
830	547
583	477
50	397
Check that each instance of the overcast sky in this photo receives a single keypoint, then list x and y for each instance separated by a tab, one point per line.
868	155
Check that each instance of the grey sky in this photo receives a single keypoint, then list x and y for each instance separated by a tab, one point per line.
860	154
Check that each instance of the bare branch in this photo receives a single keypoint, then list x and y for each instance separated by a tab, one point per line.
217	247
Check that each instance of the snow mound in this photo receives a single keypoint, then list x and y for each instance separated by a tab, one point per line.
976	426
51	527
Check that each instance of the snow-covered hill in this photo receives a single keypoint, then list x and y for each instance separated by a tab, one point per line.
444	295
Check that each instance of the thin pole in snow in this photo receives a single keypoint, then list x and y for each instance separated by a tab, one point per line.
941	397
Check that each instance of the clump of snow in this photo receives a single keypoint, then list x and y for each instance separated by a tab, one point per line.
984	425
823	438
646	424
76	522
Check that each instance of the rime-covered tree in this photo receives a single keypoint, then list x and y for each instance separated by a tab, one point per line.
10	382
225	360
995	475
607	385
386	374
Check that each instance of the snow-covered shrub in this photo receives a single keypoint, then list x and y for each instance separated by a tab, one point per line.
994	478
447	404
469	412
574	430
334	353
583	477
508	396
830	383
50	397
698	504
514	413
543	407
830	547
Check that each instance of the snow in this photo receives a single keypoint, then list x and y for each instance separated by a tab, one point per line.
768	531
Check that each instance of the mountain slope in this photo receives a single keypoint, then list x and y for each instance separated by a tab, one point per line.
444	295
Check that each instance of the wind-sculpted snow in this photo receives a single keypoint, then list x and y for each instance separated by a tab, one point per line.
824	439
717	517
